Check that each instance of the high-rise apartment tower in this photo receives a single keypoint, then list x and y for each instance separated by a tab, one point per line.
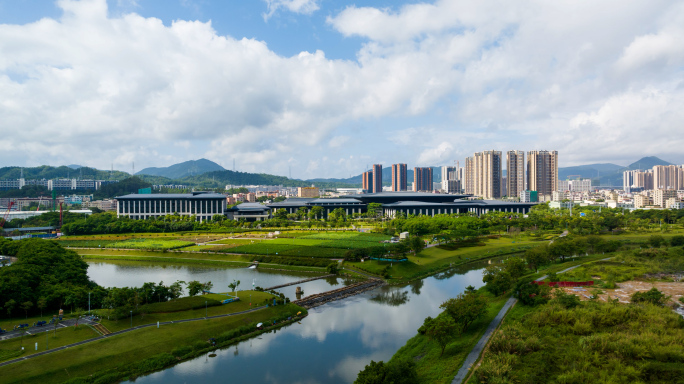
542	172
398	177
515	173
422	179
377	178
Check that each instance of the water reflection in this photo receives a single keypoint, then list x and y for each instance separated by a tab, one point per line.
334	342
394	299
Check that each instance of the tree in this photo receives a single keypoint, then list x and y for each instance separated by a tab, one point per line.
515	266
208	286
398	372
374	209
233	286
26	305
441	330
176	289
281	214
536	257
498	280
416	244
42	303
315	212
10	305
465	309
332	268
195	287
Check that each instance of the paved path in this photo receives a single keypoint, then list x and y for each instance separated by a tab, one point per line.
8	362
474	355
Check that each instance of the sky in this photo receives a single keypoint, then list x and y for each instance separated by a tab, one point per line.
322	88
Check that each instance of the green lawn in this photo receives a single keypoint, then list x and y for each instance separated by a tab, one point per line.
151	318
434	259
10	349
122	350
433	368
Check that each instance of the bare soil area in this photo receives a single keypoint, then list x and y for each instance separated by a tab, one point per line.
626	289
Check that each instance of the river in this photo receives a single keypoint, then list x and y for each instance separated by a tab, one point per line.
331	345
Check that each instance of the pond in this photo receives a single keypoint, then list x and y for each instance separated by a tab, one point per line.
332	344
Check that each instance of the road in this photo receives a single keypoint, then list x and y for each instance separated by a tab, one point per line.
474	355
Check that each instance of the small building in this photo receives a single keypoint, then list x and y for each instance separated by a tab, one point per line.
248	212
308	192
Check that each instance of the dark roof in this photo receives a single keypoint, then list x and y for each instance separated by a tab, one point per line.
245	207
335	200
194	195
393	197
31	229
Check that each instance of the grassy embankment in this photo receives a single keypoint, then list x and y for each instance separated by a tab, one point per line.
142	350
433	368
438	258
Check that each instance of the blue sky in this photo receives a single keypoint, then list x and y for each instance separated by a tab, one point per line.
327	87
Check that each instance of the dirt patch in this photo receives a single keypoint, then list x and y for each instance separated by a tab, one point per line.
626	289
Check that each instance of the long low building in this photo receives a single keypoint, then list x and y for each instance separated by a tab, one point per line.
203	205
408	203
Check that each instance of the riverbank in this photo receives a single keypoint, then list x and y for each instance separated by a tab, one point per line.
144	350
435	368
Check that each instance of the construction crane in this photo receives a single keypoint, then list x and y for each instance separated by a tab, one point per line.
6	215
39	201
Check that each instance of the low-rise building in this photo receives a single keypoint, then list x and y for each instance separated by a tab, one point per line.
308	192
202	205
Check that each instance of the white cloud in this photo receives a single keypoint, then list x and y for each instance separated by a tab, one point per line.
305	7
588	79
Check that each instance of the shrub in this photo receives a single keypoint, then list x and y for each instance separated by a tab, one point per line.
566	300
676	241
653	296
656	241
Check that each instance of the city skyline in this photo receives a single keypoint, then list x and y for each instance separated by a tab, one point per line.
318	88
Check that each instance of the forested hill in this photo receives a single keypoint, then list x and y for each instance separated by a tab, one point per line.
63	172
220	179
180	170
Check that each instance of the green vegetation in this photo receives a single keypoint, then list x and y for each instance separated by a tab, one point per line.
142	351
435	366
586	342
147	244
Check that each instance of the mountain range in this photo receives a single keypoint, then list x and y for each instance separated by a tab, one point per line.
204	173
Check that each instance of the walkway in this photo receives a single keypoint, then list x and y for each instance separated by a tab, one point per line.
8	362
474	355
298	282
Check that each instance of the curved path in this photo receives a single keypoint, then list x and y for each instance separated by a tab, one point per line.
474	355
8	362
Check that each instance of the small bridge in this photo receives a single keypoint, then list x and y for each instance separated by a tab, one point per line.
297	282
338	294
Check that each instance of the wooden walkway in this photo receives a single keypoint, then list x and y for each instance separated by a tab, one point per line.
297	282
338	294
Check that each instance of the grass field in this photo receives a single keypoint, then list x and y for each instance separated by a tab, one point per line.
10	349
121	350
433	368
151	318
436	258
136	243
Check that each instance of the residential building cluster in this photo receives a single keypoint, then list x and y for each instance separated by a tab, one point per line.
55	184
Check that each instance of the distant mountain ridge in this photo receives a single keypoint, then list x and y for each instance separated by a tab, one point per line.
606	174
184	169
